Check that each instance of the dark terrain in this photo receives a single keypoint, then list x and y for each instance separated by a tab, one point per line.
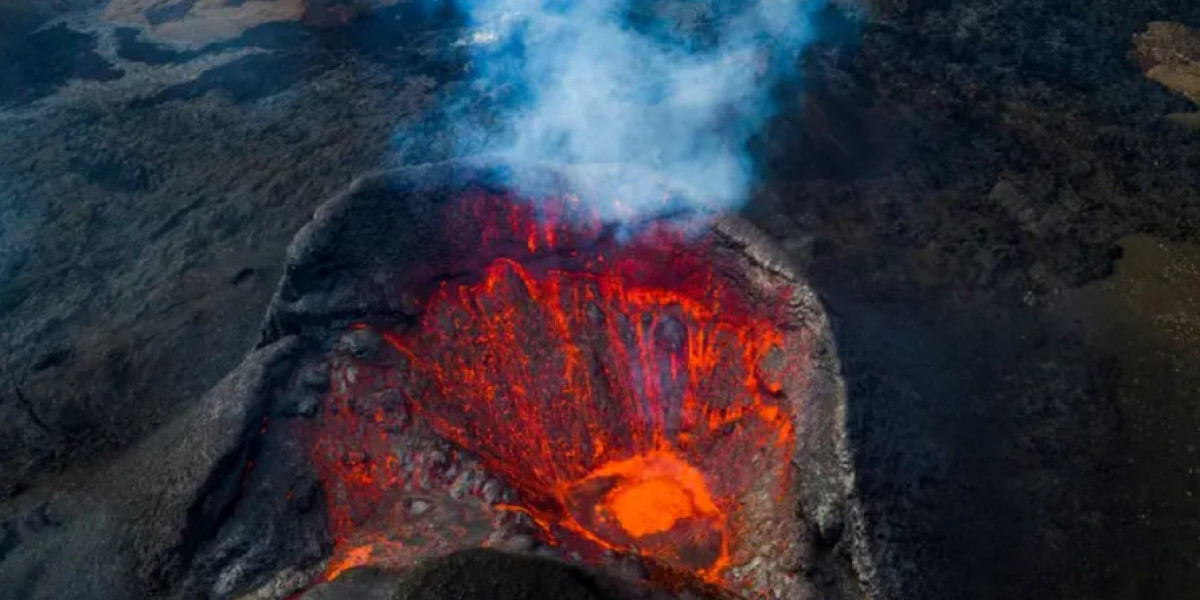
1000	210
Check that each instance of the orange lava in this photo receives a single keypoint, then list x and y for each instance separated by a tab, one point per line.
355	556
630	392
654	492
649	506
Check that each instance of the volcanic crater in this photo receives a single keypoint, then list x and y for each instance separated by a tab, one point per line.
506	370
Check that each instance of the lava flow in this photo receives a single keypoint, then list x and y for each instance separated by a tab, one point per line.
627	397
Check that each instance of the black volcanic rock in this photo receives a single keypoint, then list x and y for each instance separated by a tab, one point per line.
36	64
168	12
476	575
131	47
133	527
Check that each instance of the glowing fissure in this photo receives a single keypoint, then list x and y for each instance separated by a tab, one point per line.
631	399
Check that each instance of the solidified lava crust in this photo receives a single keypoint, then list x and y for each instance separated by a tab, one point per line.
604	394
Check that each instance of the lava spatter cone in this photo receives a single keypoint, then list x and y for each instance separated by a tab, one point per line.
664	390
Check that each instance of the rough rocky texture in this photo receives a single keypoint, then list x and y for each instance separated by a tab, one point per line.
1145	315
534	578
951	175
1169	53
130	244
998	152
129	529
475	575
365	583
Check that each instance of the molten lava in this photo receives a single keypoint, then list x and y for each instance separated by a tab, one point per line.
654	492
649	506
629	395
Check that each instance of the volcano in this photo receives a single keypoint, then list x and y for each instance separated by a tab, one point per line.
465	376
488	364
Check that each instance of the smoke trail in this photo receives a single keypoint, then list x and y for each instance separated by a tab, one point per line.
674	88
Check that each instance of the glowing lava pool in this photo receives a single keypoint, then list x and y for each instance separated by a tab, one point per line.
636	393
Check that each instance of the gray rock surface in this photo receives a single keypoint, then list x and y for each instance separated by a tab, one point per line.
136	267
129	528
478	575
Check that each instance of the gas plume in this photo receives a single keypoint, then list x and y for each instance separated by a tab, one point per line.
673	88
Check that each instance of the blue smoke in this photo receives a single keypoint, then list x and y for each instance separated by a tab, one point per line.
673	90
